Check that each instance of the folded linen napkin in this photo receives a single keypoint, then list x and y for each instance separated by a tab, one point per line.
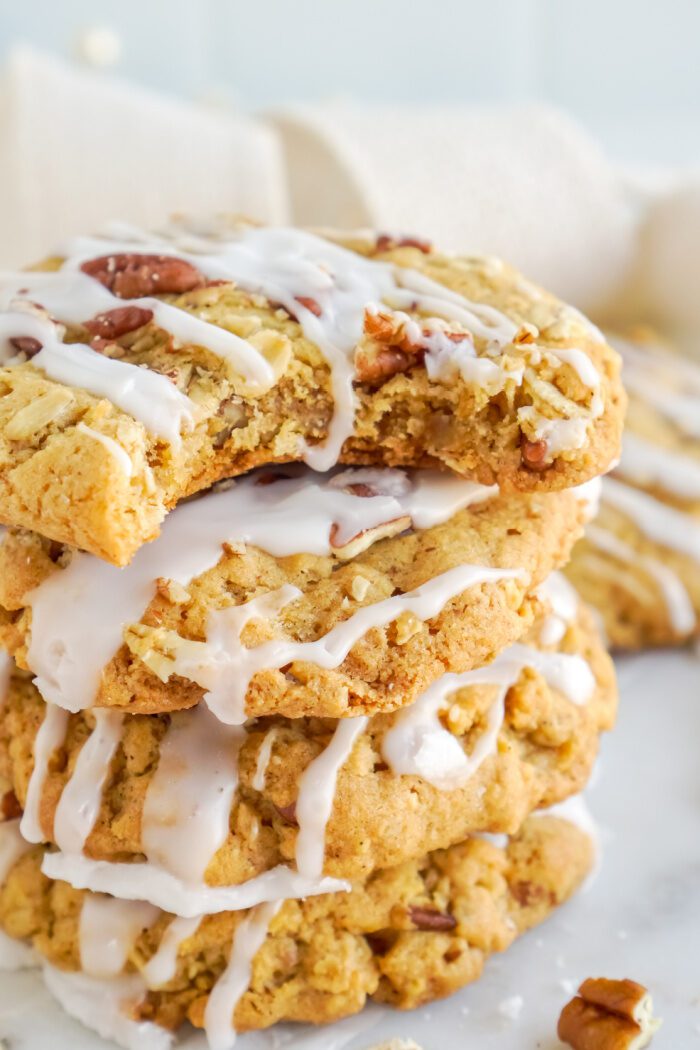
525	183
79	148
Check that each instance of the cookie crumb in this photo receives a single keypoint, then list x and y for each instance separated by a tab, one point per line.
511	1008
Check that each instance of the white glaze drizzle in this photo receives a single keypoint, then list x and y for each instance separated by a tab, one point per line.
661	524
50	736
145	395
118	452
108	931
648	464
224	666
666	381
287	517
589	495
563	601
145	881
234	981
317	793
681	612
79	805
418	743
162	966
105	1007
188	804
264	754
561	435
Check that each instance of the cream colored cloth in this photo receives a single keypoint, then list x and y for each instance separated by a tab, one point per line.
526	184
78	149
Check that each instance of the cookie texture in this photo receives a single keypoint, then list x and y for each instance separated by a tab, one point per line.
387	668
639	563
406	936
540	410
539	753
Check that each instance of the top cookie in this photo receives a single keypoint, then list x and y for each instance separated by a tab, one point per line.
141	369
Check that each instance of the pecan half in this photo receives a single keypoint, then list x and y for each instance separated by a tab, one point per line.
534	454
385	242
608	1015
431	918
115	323
10	808
25	344
132	275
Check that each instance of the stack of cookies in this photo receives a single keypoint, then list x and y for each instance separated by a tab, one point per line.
297	710
639	563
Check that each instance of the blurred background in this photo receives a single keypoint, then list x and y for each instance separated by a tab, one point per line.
627	69
563	134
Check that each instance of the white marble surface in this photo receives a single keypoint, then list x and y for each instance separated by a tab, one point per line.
640	918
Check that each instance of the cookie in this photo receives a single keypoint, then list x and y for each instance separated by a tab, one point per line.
406	936
639	563
147	368
358	625
476	753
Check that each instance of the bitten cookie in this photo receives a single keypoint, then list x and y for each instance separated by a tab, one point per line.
147	368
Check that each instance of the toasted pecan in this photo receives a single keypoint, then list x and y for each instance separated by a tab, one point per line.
132	275
608	1015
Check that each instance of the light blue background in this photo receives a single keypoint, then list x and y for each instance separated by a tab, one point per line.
628	69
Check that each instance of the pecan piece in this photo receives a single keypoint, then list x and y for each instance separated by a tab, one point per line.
288	813
534	454
132	275
608	1015
363	540
10	808
115	323
25	344
310	304
431	918
388	361
385	242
